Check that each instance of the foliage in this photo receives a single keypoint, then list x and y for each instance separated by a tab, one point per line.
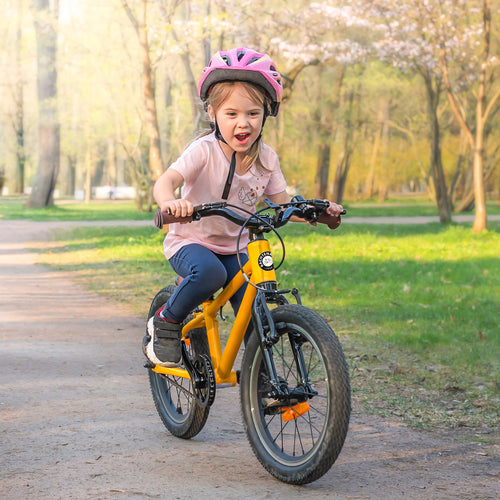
101	102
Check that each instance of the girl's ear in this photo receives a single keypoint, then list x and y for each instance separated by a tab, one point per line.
211	113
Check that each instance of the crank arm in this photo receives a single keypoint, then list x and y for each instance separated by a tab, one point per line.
195	376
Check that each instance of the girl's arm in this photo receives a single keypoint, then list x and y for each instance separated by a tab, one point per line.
164	194
333	209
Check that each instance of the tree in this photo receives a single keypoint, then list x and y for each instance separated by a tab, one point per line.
201	35
332	35
139	22
18	118
438	39
407	44
45	15
482	78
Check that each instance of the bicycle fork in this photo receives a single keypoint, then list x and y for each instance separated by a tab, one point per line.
268	336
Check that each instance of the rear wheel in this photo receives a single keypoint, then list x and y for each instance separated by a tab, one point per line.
174	396
297	439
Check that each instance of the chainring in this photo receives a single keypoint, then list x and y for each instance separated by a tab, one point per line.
205	393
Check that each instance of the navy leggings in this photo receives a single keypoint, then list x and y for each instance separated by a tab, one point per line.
204	272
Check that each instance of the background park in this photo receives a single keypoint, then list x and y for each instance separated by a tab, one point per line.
391	108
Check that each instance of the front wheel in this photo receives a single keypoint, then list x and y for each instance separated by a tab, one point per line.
298	439
174	396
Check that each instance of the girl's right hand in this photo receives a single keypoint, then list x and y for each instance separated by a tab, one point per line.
178	207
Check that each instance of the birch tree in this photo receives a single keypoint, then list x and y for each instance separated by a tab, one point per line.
460	62
440	39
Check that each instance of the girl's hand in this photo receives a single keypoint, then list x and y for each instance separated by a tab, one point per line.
178	207
334	209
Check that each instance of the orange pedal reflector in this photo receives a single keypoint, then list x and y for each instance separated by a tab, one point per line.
187	342
292	412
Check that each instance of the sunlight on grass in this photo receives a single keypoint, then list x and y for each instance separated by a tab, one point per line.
416	307
71	211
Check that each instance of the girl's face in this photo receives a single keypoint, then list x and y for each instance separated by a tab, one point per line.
239	118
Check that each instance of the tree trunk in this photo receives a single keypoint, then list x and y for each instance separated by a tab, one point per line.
344	163
88	175
483	109
70	177
479	197
370	179
19	106
341	176
322	170
468	200
148	83
155	162
436	165
324	116
42	193
382	186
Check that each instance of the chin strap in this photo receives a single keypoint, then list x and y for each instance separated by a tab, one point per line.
230	175
215	126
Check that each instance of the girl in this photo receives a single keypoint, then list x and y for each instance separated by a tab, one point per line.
240	88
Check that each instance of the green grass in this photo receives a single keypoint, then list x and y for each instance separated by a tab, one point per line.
14	208
416	307
404	208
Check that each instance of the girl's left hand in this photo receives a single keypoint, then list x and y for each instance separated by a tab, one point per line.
334	209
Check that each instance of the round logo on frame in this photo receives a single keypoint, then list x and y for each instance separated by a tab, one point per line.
266	261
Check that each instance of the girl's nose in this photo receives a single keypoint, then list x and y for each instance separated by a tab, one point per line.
242	121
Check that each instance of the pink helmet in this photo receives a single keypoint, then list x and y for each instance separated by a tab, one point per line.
243	65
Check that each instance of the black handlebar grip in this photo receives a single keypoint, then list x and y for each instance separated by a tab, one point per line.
162	218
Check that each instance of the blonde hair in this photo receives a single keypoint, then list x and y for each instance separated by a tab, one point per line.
220	92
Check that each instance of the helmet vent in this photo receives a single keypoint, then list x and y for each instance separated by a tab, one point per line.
226	59
254	59
240	54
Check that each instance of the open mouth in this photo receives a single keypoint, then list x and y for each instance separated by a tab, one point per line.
242	138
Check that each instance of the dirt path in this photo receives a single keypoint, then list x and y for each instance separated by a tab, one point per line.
77	420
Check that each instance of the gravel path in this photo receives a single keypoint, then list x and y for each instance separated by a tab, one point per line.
77	420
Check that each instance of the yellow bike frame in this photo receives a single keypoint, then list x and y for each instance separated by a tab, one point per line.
259	271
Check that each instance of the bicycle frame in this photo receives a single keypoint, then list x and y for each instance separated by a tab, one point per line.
258	271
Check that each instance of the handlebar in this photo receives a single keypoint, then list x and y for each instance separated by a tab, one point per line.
309	210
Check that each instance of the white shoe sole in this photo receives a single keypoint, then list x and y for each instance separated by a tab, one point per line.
150	353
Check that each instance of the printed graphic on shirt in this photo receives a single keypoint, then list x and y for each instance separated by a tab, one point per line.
248	196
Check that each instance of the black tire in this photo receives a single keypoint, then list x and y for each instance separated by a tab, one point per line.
178	410
300	450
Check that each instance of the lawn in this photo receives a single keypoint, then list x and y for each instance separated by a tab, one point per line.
68	210
415	307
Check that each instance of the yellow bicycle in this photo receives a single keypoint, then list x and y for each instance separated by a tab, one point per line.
294	381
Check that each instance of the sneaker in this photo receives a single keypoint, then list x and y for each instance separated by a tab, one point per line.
162	344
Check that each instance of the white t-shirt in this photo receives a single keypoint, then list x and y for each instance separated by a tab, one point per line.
204	167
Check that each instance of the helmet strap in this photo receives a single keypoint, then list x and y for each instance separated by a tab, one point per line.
215	126
230	175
